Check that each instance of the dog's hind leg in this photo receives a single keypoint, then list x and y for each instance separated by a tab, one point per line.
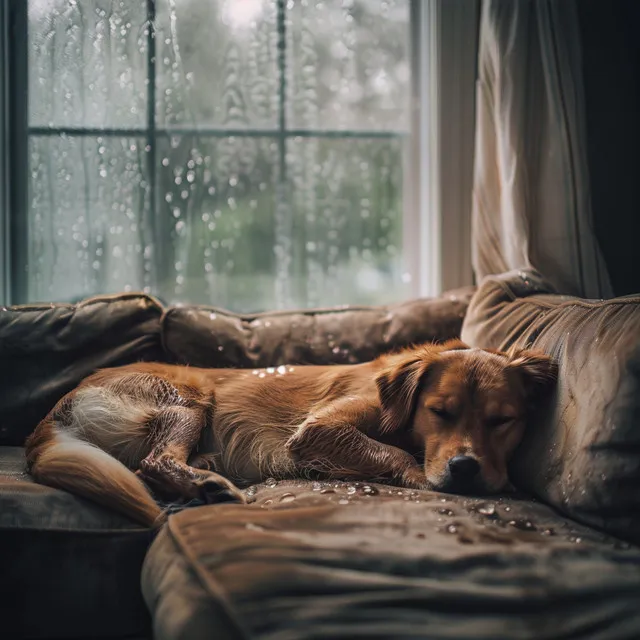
174	432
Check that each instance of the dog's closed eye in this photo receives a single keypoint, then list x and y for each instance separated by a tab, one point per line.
442	413
498	421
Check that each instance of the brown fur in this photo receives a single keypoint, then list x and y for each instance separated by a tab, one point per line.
192	432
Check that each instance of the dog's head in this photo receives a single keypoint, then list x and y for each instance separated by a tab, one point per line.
466	408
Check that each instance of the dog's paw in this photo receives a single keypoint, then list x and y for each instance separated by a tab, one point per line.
218	490
414	478
304	441
295	445
206	461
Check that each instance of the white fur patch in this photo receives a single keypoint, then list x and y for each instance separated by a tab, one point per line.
114	423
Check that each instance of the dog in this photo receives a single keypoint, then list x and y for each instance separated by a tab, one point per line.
444	417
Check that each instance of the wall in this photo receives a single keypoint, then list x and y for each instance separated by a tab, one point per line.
611	59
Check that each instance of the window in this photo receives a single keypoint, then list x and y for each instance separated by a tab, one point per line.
250	154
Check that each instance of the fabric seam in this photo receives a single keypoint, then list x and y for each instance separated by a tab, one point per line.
88	302
578	303
213	590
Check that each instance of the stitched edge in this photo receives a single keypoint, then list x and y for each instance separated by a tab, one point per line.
137	531
116	297
578	302
312	312
210	586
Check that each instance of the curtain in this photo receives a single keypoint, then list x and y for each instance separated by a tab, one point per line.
531	200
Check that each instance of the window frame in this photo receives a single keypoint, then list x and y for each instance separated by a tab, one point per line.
437	190
5	230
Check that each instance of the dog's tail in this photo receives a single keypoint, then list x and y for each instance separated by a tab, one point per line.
58	459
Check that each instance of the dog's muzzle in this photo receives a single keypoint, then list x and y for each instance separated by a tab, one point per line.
462	475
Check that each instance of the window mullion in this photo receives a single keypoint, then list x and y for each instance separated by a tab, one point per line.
16	147
216	132
5	227
282	89
283	220
158	254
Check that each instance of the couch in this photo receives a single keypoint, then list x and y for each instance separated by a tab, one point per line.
558	559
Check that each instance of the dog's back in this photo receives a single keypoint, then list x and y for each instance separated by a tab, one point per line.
97	435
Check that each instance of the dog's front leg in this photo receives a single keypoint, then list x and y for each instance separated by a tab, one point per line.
333	445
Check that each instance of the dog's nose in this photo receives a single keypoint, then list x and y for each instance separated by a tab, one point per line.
463	468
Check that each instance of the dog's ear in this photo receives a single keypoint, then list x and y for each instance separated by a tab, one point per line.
398	386
398	383
539	371
451	345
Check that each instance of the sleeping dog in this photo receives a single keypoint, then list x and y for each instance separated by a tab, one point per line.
442	417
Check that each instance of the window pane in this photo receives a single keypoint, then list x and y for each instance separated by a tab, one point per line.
87	63
217	63
237	237
250	222
89	228
346	198
217	205
348	64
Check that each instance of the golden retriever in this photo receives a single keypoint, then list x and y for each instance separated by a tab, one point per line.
442	417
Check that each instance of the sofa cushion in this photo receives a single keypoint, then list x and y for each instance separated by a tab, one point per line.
73	568
46	350
583	455
211	337
313	560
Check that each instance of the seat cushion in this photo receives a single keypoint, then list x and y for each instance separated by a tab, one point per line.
73	568
211	337
583	454
46	350
313	560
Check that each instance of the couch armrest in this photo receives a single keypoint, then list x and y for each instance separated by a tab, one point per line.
46	350
583	454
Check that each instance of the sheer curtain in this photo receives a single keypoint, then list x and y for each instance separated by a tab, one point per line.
531	199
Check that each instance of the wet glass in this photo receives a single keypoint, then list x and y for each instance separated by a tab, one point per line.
243	153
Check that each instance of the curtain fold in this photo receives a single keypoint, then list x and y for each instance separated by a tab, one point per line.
531	199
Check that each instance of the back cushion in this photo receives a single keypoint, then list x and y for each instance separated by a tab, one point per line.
210	337
46	350
583	454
